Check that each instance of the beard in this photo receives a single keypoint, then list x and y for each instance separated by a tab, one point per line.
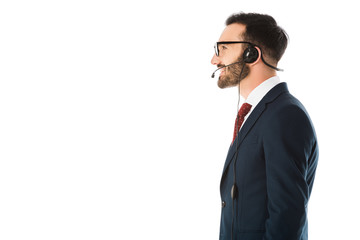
233	74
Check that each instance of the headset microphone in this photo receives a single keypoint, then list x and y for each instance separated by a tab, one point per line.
213	75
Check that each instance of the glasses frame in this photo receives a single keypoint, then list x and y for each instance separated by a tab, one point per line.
216	46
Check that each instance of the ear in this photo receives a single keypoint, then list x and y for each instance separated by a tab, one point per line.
258	57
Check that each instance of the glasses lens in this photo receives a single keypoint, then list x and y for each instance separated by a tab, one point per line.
216	49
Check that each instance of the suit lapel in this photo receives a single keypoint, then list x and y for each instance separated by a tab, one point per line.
254	116
256	113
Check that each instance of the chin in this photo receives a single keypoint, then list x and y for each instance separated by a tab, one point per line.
226	82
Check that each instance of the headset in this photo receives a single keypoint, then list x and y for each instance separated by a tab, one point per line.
250	55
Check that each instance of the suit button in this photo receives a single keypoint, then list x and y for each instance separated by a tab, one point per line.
223	204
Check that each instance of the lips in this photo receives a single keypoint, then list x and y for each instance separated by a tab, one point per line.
222	71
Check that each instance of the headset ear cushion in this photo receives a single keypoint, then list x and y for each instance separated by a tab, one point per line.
250	55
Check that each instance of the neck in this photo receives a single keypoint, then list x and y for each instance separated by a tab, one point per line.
254	79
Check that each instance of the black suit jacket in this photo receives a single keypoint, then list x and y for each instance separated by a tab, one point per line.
275	168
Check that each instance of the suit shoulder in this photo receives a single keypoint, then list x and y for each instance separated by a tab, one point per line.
286	105
287	113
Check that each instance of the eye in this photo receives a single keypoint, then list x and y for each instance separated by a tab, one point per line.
223	47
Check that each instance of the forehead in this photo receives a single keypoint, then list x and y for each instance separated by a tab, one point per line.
233	32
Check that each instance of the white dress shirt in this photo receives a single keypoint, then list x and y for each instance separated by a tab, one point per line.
259	92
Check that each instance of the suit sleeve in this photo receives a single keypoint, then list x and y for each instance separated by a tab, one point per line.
289	140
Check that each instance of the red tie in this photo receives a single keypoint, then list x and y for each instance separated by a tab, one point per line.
245	108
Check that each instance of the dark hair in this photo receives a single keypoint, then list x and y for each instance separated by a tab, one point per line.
262	30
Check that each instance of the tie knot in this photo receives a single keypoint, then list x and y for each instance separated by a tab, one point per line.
245	108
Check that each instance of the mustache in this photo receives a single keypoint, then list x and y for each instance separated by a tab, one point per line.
231	65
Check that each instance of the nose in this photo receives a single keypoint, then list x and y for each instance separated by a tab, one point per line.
215	60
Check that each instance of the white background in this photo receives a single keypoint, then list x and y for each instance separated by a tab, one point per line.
111	127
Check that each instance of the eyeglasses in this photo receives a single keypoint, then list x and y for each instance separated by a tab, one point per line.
216	46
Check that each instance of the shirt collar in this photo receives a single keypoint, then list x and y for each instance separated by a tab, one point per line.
260	91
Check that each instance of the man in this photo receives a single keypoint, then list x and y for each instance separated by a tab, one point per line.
270	166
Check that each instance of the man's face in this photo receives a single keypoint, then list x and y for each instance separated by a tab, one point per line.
230	53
